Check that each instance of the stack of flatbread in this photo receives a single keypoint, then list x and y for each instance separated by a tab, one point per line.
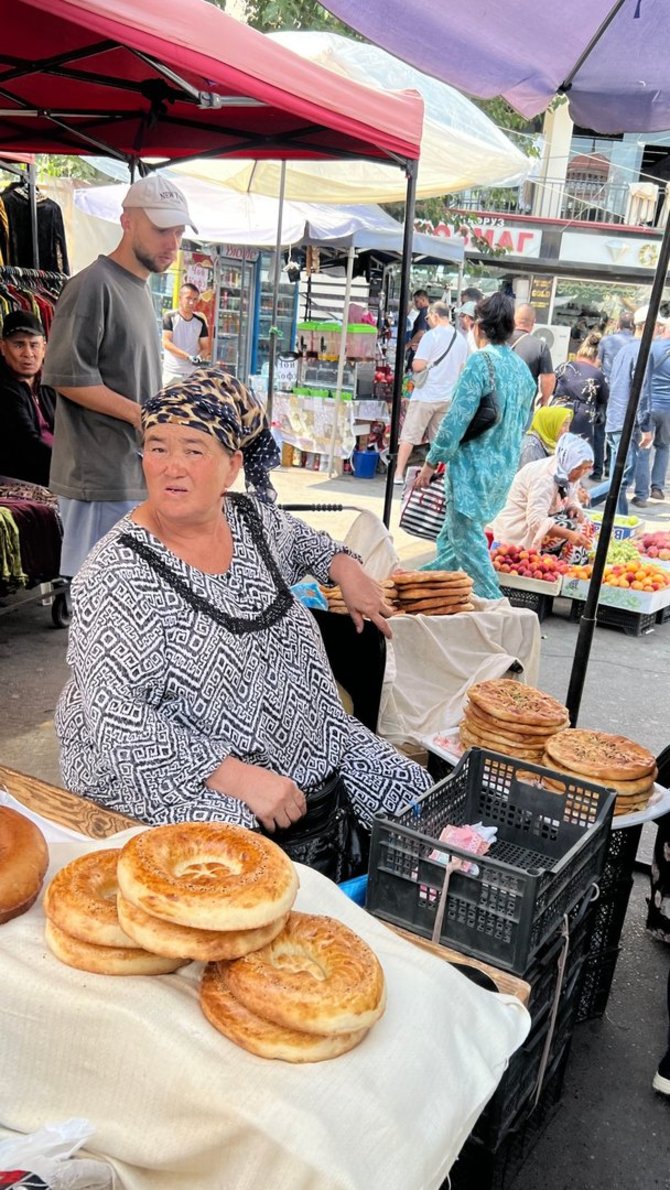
433	592
336	599
506	716
604	759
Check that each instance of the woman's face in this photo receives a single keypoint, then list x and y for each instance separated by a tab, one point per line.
580	471
187	472
564	428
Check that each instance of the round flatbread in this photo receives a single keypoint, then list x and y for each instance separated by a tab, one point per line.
470	741
442	610
600	754
524	733
489	734
503	698
641	785
453	596
420	604
412	577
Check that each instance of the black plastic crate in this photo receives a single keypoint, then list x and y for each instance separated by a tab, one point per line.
632	623
535	601
620	856
598	975
663	615
550	849
518	1087
438	766
481	1167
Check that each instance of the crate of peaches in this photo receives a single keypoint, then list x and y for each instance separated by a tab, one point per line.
528	570
638	585
655	547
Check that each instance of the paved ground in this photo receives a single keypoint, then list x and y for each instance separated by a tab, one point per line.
611	1132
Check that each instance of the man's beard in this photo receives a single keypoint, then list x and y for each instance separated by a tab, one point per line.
151	263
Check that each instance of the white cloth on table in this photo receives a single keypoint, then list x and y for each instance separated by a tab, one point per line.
177	1105
432	660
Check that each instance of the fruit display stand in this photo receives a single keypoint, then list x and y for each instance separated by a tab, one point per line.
633	610
526	578
623	528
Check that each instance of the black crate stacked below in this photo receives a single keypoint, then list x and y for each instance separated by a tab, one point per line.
631	622
531	1087
616	883
541	871
534	601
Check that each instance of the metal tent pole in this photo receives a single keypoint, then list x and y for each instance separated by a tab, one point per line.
588	620
403	302
34	226
337	405
275	294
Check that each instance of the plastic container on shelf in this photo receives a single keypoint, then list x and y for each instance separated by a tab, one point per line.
549	850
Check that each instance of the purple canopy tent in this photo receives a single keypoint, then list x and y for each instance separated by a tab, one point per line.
609	60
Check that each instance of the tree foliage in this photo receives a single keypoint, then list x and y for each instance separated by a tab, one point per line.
275	16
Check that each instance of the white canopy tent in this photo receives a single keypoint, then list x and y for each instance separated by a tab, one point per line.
460	146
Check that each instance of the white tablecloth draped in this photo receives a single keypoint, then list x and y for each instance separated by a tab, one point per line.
432	660
175	1105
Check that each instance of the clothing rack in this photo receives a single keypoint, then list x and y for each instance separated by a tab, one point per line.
15	272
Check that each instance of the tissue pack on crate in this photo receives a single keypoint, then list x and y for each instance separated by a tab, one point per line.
550	849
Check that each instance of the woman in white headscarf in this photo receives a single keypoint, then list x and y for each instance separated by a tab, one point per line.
543	511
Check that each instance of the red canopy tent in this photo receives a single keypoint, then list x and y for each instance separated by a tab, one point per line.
179	78
175	79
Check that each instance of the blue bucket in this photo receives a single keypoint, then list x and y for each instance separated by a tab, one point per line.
365	463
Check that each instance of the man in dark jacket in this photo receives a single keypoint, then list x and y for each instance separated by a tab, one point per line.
26	405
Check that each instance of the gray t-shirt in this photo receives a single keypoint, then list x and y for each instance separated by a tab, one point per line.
104	332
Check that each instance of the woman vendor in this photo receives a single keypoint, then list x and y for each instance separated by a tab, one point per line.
480	470
200	688
547	425
543	510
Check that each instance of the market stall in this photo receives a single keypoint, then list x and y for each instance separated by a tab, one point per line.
179	1103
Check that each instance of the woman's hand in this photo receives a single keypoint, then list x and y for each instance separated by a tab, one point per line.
274	800
578	538
424	476
363	595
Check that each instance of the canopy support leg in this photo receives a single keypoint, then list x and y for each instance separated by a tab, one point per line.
588	620
275	294
341	358
403	302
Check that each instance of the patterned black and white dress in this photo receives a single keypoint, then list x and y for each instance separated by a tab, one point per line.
161	693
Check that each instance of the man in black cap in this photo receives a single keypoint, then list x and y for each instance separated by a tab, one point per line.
26	405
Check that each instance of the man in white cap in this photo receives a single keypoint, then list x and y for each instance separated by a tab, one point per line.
104	360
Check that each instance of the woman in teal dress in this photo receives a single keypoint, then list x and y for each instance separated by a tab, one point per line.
479	472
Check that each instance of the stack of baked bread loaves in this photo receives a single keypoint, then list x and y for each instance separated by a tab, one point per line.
24	859
510	717
282	985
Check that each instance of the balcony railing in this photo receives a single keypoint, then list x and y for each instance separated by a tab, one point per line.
596	202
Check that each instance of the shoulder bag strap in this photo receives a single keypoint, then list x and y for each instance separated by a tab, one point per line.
433	363
522	336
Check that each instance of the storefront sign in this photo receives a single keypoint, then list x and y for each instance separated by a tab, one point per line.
624	252
236	252
508	237
540	297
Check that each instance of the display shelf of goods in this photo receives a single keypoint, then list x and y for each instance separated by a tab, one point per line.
637	586
528	570
624	526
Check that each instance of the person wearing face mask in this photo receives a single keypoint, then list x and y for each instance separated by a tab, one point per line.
104	360
543	510
26	405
